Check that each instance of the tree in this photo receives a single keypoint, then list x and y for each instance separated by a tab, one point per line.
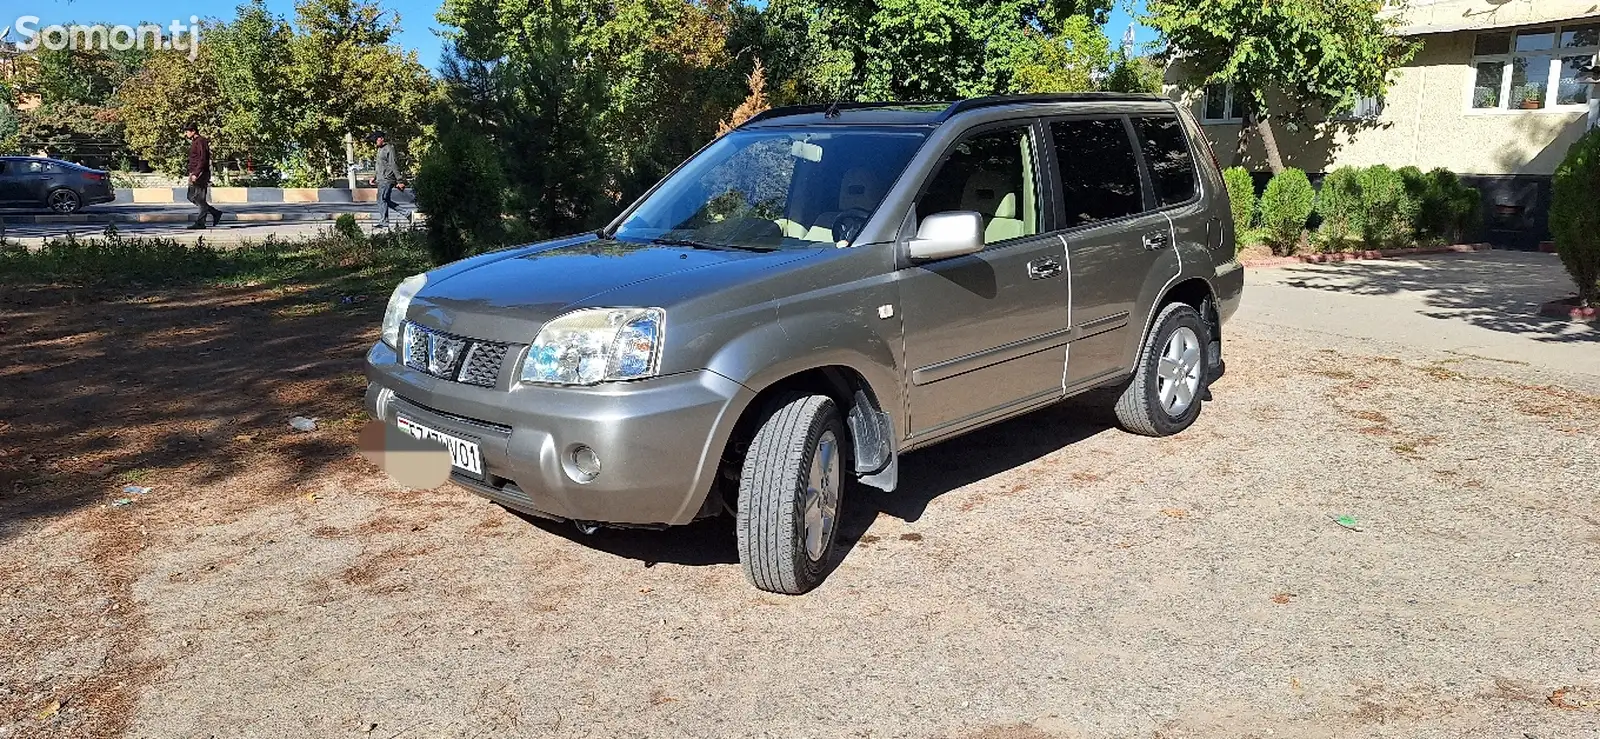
168	93
939	49
1575	216
754	103
1134	74
352	78
251	59
1299	55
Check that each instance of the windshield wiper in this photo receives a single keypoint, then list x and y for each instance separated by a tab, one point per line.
691	243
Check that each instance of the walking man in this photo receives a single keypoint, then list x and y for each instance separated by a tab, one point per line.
388	180
200	176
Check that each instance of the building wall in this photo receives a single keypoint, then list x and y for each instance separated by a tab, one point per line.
1426	122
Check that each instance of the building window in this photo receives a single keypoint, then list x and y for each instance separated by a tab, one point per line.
1219	106
1369	108
1533	69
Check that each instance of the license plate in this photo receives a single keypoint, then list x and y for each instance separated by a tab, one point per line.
463	454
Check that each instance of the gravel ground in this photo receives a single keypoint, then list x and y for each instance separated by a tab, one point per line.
1048	578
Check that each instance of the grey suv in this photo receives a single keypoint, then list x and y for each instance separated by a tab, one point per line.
812	296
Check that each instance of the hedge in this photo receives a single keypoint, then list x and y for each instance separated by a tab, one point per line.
1285	207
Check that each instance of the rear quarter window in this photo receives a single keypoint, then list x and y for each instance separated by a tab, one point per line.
1166	155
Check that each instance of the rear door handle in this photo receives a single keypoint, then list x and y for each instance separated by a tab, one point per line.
1043	269
1155	240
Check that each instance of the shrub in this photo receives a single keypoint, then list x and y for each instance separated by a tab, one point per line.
461	187
1575	215
1285	206
1388	211
1340	208
345	227
1446	209
1241	196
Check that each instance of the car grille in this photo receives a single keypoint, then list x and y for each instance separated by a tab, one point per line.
458	358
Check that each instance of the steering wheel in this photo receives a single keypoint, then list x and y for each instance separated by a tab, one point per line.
848	224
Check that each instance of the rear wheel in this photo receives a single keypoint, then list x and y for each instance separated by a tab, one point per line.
790	491
64	201
1170	378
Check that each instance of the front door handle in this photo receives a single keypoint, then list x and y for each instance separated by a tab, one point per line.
1155	240
1043	269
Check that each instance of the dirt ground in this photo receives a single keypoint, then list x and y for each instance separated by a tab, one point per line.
1050	578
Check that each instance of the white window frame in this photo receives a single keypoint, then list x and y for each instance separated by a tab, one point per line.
1552	81
1368	108
1230	115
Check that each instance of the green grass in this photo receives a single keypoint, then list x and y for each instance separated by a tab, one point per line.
365	265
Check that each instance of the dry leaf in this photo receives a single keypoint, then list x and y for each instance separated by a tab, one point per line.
1175	512
1282	598
50	710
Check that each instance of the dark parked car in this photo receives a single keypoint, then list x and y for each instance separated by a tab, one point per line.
63	187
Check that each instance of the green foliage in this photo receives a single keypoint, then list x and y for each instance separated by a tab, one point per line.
169	91
1134	74
461	186
10	126
1388	210
345	227
1575	215
1447	210
1285	207
940	49
252	63
1340	207
1310	54
1241	196
350	78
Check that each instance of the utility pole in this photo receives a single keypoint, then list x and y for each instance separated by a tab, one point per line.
1128	42
350	160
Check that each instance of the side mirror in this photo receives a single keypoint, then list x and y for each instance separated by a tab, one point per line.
952	233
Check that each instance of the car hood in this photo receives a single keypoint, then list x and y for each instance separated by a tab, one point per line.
507	296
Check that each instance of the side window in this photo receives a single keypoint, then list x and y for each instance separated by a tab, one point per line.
1166	153
993	174
1099	173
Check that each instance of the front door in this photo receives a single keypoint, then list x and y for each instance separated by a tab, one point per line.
11	185
986	333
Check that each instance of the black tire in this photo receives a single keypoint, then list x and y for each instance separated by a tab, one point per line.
770	519
64	200
1139	409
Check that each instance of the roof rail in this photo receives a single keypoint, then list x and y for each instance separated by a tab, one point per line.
961	105
1048	97
823	108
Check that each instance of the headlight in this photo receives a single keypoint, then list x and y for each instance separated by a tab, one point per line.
395	314
596	345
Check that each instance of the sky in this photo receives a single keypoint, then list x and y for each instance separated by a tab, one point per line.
418	27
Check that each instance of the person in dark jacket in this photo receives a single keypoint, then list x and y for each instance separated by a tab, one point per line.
388	181
200	176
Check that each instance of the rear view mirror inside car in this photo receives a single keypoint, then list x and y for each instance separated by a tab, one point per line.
806	150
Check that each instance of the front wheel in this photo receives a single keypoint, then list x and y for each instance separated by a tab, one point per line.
1170	378
790	491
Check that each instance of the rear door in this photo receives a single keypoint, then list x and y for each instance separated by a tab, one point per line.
985	333
1115	237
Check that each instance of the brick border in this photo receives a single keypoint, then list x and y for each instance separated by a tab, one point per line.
224	195
1351	256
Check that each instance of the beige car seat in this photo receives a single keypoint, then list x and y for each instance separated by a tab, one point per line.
989	193
858	188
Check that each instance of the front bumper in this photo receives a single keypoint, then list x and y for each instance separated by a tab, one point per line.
659	441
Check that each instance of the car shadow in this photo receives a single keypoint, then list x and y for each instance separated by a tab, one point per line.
925	475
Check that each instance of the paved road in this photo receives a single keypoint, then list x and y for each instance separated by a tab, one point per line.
1479	308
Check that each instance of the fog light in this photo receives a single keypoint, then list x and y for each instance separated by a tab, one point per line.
585	462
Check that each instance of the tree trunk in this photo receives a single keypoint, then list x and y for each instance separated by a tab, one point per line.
1269	141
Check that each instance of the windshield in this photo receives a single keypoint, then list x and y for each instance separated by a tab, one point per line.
776	189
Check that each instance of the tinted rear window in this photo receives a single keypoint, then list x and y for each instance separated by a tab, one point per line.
1099	173
1166	153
